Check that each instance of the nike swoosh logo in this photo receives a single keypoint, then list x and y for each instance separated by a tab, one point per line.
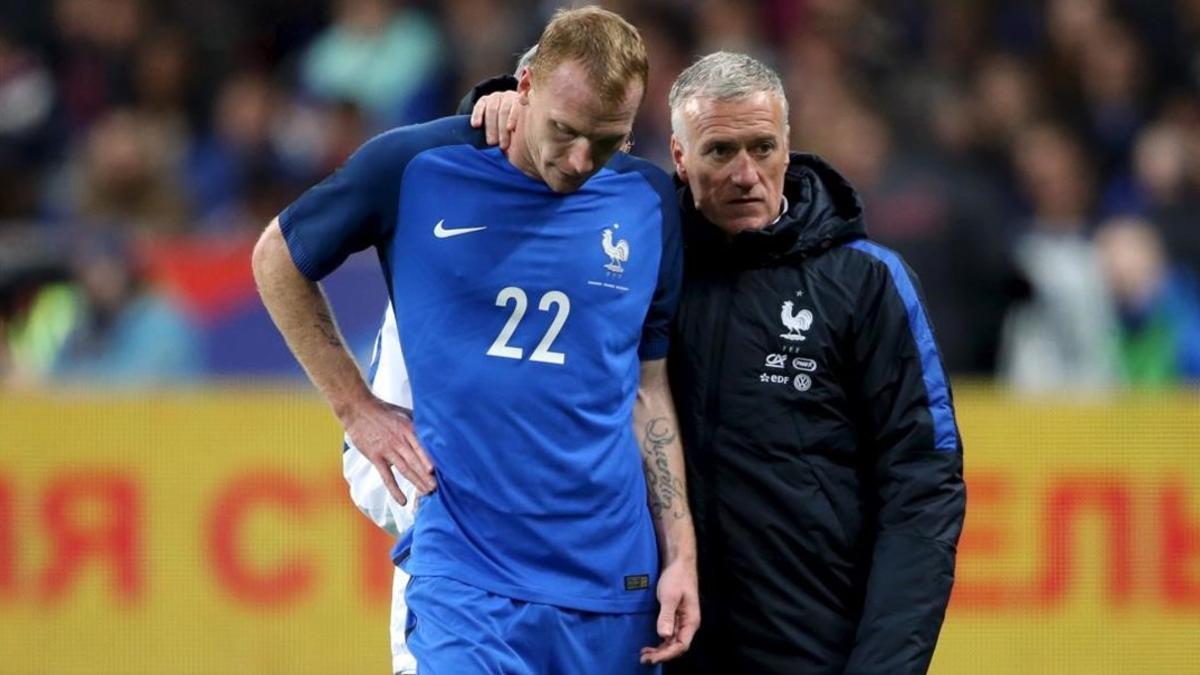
443	233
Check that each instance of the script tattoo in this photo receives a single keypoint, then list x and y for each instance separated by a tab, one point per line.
328	328
666	489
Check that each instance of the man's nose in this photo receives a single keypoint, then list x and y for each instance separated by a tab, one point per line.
745	173
579	158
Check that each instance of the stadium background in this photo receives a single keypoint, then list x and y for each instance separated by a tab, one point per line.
170	491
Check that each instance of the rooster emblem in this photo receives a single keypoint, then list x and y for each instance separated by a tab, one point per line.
617	253
795	323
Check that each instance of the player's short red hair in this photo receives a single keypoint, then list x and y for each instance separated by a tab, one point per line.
608	47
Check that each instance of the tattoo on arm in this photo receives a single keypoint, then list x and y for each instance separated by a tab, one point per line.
328	328
666	489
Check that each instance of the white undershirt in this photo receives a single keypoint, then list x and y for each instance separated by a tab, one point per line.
782	211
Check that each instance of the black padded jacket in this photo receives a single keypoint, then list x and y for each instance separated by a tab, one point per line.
824	461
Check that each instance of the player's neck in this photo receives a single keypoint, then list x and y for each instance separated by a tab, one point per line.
519	155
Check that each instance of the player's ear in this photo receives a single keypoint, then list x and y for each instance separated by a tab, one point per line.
524	84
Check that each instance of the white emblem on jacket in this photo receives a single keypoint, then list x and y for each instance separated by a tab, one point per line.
795	323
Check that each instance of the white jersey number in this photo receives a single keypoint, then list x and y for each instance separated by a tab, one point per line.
542	354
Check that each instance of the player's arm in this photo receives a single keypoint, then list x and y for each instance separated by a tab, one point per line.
907	412
381	431
657	429
353	209
303	315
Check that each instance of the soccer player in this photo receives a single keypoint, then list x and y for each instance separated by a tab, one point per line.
533	290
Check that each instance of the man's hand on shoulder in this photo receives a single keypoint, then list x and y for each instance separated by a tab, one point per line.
497	113
384	434
679	613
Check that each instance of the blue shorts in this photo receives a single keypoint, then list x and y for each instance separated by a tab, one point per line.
457	629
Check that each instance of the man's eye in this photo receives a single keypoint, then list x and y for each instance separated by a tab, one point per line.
720	151
765	149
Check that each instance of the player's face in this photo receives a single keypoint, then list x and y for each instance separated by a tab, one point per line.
734	155
568	132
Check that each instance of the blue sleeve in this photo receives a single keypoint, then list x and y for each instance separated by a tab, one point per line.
352	209
918	497
356	206
657	328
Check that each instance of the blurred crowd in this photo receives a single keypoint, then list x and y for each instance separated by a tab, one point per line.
1037	162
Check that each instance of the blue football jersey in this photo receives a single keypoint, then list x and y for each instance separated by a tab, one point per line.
523	316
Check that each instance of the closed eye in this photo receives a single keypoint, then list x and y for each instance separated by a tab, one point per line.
563	130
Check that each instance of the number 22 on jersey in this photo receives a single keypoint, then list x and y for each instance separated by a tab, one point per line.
542	353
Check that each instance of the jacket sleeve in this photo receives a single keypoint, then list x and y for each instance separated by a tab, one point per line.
916	495
488	86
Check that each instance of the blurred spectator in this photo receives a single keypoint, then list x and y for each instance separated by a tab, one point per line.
184	118
943	222
124	334
479	54
948	35
818	71
162	88
240	157
123	178
1159	178
37	305
1063	336
380	54
731	26
1114	81
1004	101
345	130
96	39
1158	307
27	127
1069	25
1189	39
1163	159
36	331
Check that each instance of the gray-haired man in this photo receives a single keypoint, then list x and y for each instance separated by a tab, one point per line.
824	460
823	456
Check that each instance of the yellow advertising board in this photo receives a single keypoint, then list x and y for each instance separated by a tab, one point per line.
1081	552
184	533
211	532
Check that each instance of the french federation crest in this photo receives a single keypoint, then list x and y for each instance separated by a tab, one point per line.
796	323
617	252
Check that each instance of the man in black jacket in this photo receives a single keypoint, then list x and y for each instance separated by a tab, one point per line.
824	461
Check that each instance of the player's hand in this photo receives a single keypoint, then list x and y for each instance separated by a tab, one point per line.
679	613
497	113
384	434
